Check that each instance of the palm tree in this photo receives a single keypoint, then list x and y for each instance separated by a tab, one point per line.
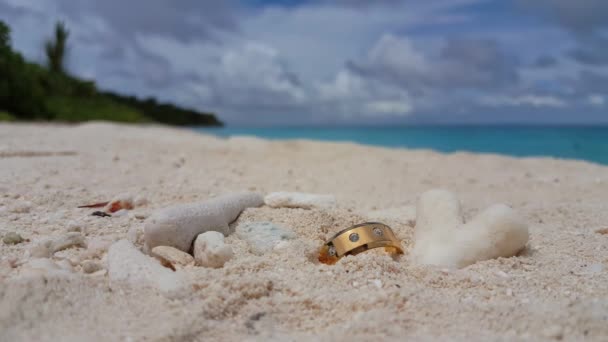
56	49
5	37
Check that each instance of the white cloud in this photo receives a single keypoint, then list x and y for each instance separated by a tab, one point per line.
523	100
453	64
31	5
318	39
399	108
239	73
398	54
596	100
351	96
256	66
345	86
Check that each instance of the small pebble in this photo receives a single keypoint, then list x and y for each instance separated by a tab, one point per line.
74	226
594	268
140	216
42	267
211	251
263	236
127	265
68	240
502	274
12	238
48	247
97	246
121	212
140	201
135	235
99	273
100	214
74	260
65	265
172	257
90	266
42	250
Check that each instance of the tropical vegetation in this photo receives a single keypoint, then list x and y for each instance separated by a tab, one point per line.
29	91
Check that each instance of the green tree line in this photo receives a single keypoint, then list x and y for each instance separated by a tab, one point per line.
29	91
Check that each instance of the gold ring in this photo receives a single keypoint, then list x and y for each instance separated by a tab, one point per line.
359	238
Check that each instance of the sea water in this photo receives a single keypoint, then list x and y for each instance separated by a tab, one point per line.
568	142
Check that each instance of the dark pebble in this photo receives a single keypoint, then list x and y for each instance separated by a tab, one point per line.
100	214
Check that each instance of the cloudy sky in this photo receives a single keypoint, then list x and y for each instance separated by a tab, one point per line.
339	62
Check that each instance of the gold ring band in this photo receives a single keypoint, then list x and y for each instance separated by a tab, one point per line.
359	238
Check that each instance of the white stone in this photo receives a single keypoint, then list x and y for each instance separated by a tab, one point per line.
211	251
121	212
128	266
263	237
502	274
42	250
299	200
179	225
47	247
42	267
68	240
594	268
74	226
41	263
102	272
135	235
65	265
172	257
97	246
90	266
140	215
441	238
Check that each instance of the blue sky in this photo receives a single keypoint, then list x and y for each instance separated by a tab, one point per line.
342	61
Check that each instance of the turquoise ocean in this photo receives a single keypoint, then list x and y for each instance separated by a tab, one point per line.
567	142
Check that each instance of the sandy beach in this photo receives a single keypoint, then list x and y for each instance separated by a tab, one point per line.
556	289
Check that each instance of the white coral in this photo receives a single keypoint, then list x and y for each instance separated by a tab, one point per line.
442	238
179	225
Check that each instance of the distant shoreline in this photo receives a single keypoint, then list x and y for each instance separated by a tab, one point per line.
589	143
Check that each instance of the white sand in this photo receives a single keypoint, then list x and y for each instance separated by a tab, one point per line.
558	288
